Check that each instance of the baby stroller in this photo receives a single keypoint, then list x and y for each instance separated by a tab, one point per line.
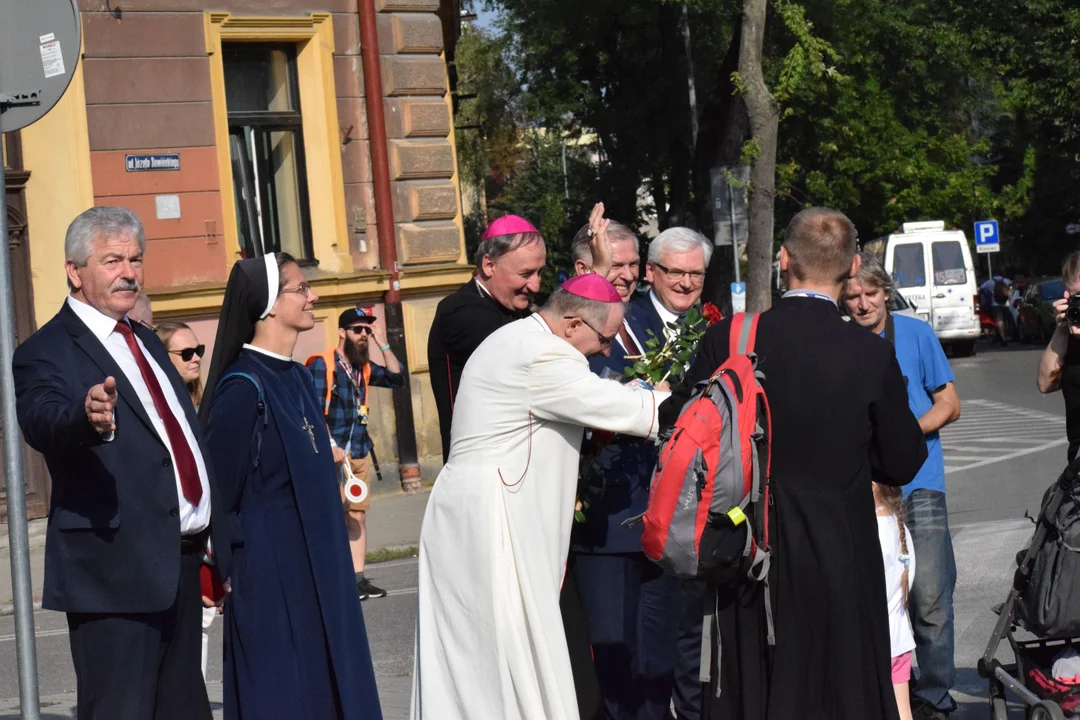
1045	601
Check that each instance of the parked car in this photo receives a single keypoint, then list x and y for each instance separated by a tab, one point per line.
1035	319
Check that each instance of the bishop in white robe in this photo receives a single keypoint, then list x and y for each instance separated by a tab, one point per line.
493	545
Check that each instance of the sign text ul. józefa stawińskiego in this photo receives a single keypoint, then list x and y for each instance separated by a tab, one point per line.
137	163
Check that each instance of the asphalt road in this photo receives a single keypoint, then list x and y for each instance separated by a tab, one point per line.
1001	455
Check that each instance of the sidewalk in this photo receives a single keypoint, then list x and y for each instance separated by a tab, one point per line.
393	522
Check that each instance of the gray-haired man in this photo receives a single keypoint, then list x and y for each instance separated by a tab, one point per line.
99	397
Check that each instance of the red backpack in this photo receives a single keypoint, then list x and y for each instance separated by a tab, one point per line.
713	468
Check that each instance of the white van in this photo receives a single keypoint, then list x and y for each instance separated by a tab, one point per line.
933	270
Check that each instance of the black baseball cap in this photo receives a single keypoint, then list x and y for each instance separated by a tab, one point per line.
356	315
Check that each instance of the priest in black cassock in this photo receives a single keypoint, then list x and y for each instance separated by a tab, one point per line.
840	419
509	260
295	642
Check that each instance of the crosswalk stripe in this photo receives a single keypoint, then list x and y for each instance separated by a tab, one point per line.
1012	455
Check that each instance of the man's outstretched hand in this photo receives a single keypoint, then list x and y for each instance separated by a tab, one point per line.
100	402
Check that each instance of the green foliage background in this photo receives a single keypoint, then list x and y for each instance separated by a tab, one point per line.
892	111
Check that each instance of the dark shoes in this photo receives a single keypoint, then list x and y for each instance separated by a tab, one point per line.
924	711
366	590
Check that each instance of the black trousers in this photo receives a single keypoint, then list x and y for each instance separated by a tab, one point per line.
688	691
143	666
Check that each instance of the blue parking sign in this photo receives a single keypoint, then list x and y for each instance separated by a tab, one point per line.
987	239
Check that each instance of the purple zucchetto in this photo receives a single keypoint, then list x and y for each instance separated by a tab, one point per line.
509	225
592	287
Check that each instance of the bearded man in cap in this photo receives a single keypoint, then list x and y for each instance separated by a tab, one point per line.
342	377
495	536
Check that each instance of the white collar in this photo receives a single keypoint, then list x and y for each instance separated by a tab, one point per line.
543	322
483	289
248	346
100	324
666	315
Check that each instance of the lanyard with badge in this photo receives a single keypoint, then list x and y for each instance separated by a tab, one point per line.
361	388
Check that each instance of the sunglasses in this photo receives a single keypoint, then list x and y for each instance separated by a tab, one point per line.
605	341
360	329
188	353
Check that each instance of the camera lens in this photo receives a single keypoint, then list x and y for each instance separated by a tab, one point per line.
1072	312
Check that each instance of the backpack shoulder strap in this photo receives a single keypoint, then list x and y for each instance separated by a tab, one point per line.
260	408
329	358
743	333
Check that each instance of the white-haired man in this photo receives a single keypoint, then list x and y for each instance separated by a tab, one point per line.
99	397
628	600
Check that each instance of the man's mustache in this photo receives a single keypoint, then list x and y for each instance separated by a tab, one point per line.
125	284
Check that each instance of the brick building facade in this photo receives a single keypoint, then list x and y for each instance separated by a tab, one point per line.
252	118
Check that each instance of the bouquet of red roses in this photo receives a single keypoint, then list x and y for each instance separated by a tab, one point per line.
664	360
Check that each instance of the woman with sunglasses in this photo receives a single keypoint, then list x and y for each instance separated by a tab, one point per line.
186	354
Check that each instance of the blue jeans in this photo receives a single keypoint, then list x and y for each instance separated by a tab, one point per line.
931	598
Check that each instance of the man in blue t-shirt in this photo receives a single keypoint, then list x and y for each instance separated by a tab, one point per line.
933	400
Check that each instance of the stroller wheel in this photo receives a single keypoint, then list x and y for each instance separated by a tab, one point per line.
1046	710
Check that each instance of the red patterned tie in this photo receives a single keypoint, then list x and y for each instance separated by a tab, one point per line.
185	461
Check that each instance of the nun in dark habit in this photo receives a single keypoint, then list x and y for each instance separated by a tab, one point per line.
295	642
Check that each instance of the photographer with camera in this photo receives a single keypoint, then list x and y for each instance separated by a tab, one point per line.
1059	366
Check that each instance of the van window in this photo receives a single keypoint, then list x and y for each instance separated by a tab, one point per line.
1052	290
948	263
909	265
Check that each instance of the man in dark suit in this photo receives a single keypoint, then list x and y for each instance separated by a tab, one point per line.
632	607
509	260
840	419
99	397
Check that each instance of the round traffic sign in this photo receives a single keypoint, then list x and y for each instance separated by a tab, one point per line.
40	42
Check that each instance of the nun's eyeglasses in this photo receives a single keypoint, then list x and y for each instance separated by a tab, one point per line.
301	289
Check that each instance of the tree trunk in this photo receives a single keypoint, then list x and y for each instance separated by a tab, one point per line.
764	114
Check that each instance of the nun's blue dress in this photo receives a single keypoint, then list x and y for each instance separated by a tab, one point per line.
295	642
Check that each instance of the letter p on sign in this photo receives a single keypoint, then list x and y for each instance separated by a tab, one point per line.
986	236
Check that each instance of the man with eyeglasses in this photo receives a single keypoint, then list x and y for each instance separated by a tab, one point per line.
342	377
629	602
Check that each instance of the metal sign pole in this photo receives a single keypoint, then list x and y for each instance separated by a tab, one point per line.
15	483
734	230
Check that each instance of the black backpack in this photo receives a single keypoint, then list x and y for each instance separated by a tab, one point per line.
1050	605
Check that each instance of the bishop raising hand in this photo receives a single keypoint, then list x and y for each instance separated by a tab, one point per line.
600	244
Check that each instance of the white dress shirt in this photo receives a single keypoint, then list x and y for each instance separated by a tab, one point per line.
193	519
666	315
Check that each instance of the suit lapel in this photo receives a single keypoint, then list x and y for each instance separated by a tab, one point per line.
161	356
101	357
649	319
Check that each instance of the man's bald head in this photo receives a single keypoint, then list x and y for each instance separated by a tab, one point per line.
142	312
821	244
